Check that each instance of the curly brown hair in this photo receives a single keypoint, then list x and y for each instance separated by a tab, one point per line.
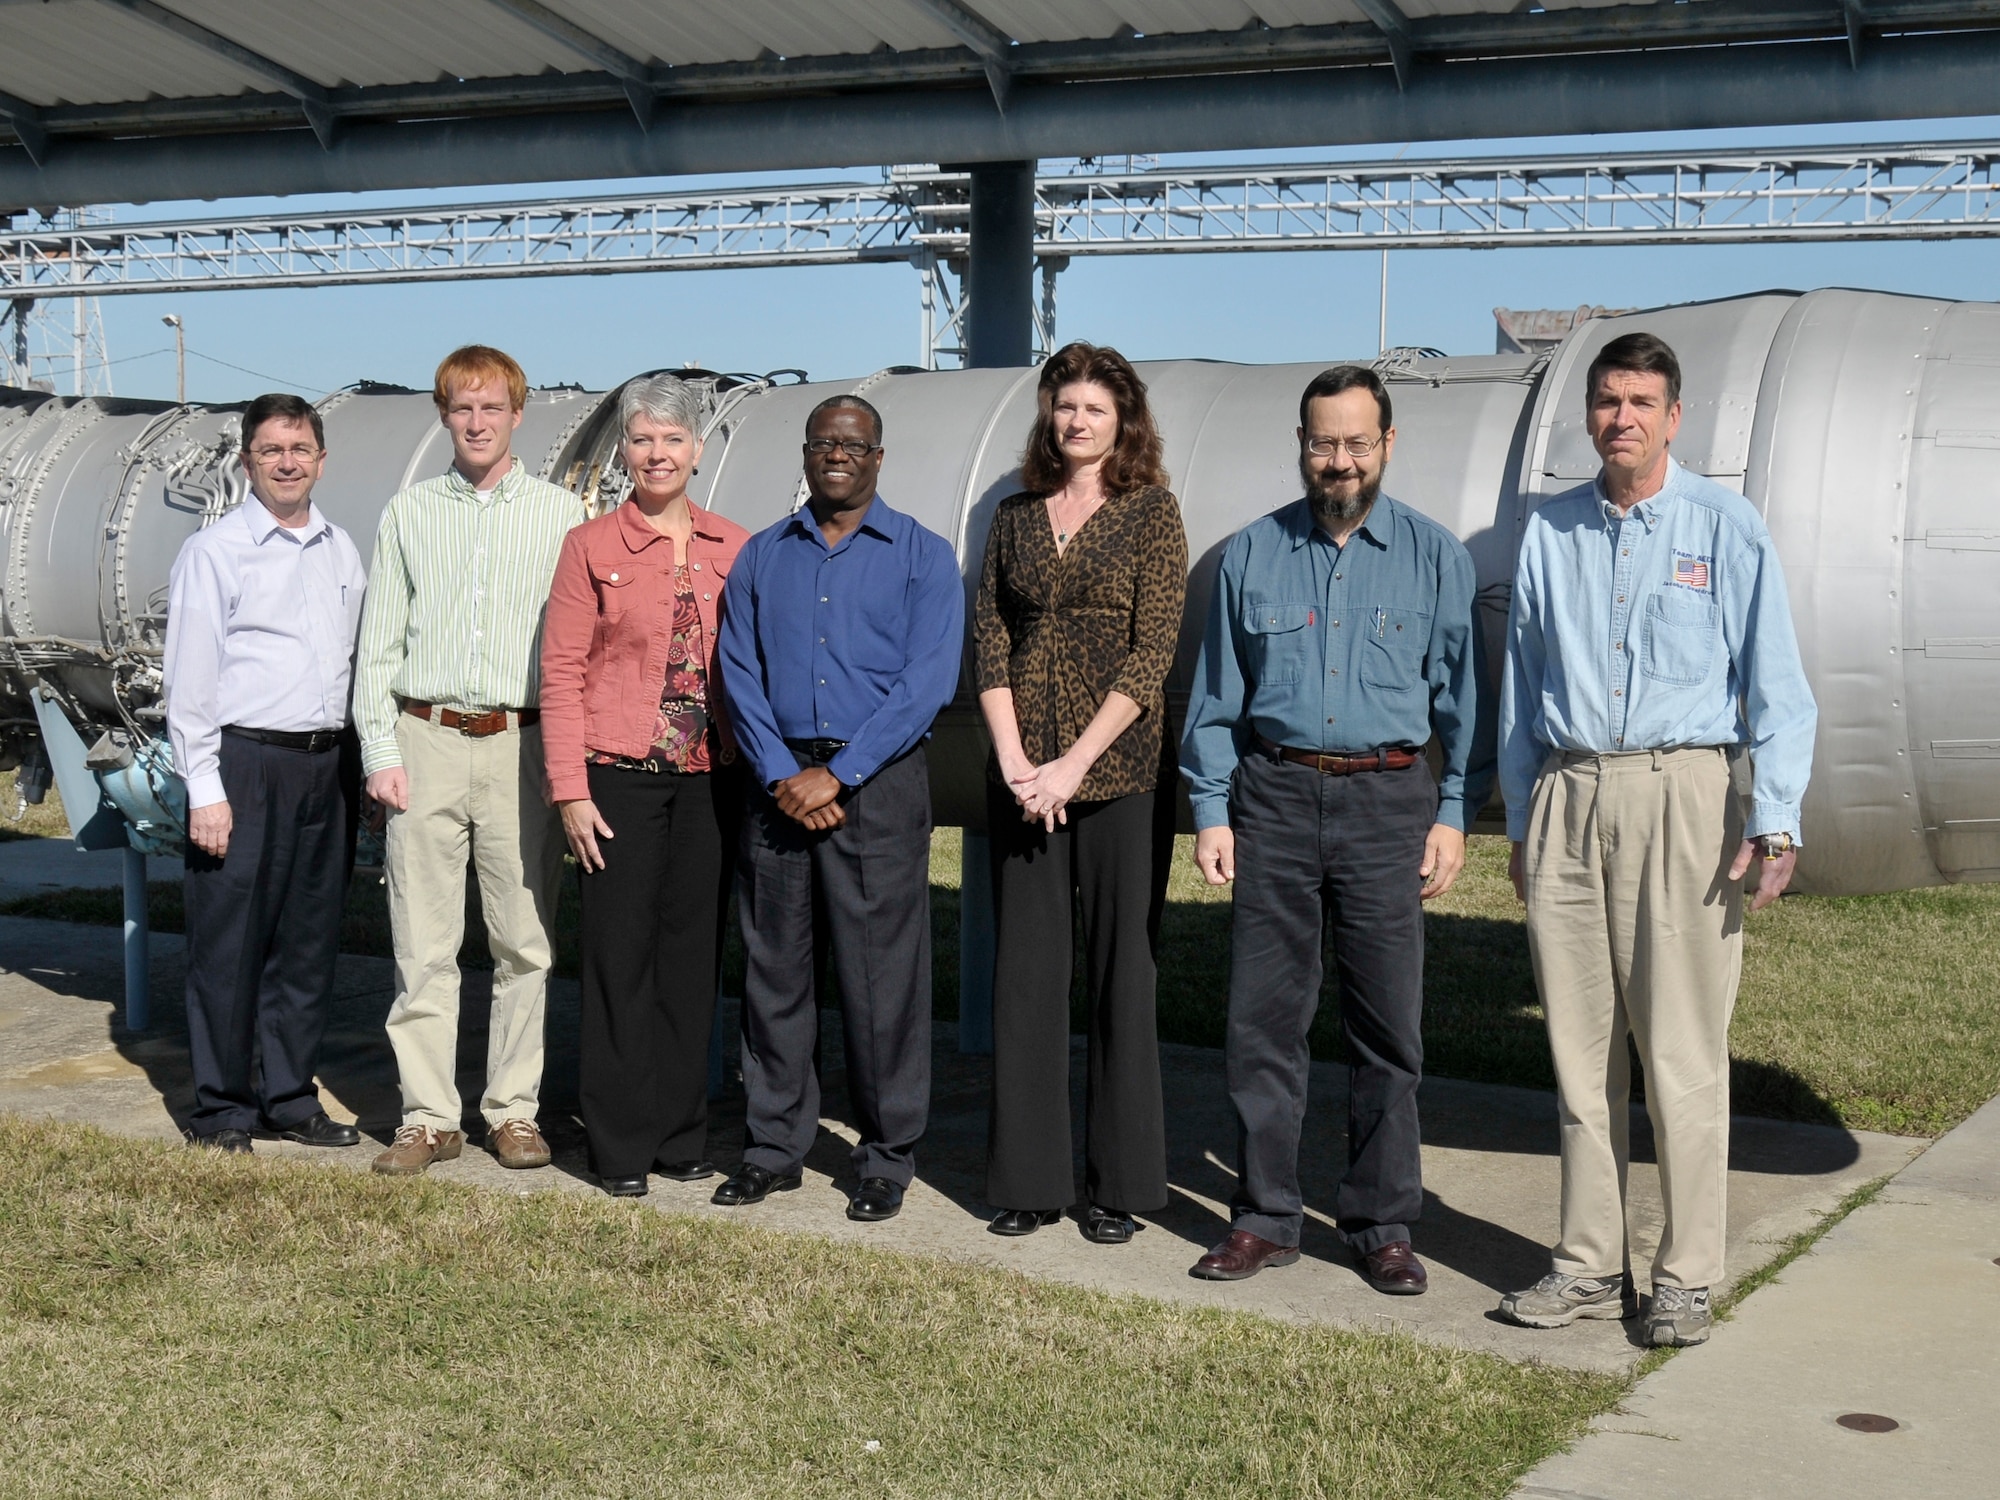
1135	462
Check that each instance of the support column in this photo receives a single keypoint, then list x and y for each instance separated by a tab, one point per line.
138	965
999	278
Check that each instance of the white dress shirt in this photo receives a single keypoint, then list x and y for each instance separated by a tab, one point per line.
261	623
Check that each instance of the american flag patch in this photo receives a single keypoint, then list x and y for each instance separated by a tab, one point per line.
1690	572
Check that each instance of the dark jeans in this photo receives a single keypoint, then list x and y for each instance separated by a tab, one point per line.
263	932
1344	851
868	884
651	941
1110	863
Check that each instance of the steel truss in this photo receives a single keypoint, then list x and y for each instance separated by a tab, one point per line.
1934	191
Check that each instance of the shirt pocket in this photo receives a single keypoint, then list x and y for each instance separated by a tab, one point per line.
615	582
1393	647
1276	639
1679	640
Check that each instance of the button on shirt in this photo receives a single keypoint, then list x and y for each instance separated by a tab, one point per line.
455	600
1340	649
261	621
858	642
1663	628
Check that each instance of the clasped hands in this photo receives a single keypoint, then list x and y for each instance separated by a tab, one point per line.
812	799
1043	792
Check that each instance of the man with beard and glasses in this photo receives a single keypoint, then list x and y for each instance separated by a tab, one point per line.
1340	636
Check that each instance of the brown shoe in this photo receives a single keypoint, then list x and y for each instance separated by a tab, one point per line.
517	1143
416	1147
1395	1270
1242	1255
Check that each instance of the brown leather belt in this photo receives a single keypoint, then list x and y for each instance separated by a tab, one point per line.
1383	758
494	721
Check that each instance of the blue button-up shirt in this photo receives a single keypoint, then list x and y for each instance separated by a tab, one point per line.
1662	628
857	642
1340	649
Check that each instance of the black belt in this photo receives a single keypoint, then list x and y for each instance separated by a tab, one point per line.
819	752
314	741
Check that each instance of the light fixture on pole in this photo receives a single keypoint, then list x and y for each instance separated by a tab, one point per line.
172	320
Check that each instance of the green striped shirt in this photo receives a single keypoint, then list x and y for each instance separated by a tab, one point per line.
455	600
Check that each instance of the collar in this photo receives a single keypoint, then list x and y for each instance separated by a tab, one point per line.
462	488
1650	511
639	533
1379	526
263	525
875	520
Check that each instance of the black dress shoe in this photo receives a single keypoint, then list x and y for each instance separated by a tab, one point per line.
234	1142
320	1131
875	1200
751	1183
1014	1222
625	1187
685	1171
1107	1226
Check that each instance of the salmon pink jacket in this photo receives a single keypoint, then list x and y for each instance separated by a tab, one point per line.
605	637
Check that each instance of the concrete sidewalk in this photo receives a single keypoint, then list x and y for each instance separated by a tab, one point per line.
33	867
1894	1314
1490	1167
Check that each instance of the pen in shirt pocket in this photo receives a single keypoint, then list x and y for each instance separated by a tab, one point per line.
1381	622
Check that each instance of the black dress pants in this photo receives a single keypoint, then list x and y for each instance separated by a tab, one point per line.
1108	863
1342	851
651	951
868	884
263	933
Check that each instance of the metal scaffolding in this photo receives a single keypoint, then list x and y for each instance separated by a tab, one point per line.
1945	190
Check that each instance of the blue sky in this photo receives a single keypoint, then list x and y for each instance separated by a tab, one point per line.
845	321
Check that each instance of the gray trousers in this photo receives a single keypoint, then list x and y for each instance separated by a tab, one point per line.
868	884
1314	851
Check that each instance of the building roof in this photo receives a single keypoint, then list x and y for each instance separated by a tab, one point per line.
99	81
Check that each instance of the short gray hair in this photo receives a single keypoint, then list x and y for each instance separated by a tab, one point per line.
664	398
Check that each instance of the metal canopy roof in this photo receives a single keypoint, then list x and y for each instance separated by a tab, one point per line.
104	99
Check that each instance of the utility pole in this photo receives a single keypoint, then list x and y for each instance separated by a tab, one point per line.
172	320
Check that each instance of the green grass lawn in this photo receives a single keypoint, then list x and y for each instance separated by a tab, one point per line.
1878	1012
176	1323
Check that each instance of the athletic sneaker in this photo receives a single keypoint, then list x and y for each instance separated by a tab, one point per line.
1558	1300
1679	1316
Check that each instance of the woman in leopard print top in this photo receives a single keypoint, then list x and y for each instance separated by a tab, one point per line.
1074	630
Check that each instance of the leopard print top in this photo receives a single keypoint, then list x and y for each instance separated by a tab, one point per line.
1062	630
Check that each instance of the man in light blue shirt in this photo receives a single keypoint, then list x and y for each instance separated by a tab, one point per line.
262	612
1649	641
1340	637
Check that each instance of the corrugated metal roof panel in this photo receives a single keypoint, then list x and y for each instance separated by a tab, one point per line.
79	53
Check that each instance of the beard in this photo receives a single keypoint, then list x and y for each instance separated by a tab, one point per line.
1332	509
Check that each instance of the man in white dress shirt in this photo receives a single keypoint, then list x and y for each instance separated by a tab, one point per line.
262	614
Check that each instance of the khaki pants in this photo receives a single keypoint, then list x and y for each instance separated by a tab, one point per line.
1635	925
481	796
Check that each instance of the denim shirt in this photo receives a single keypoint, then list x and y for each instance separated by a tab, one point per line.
1663	628
1340	649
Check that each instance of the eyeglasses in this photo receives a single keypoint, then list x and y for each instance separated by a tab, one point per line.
1354	447
852	448
295	455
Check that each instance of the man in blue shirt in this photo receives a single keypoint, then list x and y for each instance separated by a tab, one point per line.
1340	636
1649	639
842	628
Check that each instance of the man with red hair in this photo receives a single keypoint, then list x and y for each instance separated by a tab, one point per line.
445	687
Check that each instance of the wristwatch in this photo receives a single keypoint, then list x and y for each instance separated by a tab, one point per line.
1776	845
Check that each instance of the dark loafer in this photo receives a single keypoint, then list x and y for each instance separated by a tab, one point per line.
750	1184
875	1200
685	1171
1395	1270
320	1131
625	1187
1014	1222
233	1142
1240	1256
1107	1226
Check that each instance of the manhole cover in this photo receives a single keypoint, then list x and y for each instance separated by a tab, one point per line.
1867	1421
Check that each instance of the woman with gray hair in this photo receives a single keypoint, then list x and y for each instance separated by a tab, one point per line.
640	762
